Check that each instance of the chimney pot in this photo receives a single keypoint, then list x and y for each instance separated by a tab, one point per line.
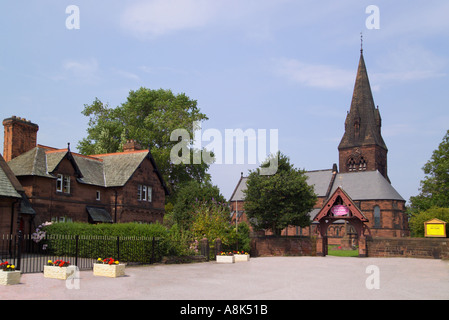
20	136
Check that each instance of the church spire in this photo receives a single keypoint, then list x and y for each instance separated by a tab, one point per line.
362	129
363	122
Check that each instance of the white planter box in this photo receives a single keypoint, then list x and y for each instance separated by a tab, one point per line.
56	272
9	277
241	257
225	259
109	270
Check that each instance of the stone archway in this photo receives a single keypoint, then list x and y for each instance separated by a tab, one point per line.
341	207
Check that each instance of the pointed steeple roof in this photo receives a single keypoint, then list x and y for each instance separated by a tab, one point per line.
363	122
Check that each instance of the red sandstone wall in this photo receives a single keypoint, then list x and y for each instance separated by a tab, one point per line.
283	246
409	247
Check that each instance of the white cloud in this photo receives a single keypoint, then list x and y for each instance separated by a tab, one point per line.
85	70
406	63
127	74
314	75
158	17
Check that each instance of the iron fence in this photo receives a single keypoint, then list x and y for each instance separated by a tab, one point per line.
29	255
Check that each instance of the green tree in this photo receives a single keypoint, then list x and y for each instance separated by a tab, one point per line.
243	237
277	201
148	116
416	222
435	185
211	220
188	196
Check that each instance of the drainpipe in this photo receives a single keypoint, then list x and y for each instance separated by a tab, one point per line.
12	223
12	215
115	206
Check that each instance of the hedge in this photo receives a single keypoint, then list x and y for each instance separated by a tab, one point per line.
100	241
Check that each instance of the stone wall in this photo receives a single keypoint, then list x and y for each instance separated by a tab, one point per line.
433	248
283	246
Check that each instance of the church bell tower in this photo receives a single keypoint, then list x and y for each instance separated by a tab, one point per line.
362	147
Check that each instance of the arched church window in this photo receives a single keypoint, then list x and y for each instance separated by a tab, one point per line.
377	217
362	164
352	165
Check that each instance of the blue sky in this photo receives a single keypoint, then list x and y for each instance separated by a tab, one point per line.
285	64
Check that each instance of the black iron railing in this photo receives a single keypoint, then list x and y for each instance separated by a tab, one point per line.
29	255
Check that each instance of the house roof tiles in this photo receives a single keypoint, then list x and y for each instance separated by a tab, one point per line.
106	170
9	185
366	185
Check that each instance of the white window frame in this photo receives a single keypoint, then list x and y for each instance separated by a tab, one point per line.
139	192
144	193
149	194
63	184
59	183
66	184
98	196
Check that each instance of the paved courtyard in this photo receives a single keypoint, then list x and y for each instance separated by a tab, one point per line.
269	278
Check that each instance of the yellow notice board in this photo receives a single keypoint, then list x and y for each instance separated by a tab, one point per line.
435	228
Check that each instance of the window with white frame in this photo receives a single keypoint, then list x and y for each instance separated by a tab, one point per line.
66	184
139	192
144	193
63	183
59	183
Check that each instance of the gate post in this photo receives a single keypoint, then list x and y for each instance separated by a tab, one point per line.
218	246
362	246
321	246
205	248
76	249
19	248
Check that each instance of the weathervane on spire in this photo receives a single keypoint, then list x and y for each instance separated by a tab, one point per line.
361	42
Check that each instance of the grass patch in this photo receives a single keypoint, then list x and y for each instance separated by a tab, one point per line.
333	251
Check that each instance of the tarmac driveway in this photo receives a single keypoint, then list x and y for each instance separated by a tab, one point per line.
264	278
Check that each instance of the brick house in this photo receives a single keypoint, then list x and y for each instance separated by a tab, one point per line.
362	176
13	201
62	185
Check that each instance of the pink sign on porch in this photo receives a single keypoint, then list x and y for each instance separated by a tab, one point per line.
340	210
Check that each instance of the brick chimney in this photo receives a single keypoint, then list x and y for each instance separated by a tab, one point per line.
20	136
131	145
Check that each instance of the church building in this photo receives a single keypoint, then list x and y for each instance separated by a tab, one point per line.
361	175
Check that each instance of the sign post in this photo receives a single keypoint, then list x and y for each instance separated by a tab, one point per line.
435	228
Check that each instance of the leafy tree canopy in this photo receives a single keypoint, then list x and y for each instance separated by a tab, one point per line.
189	196
416	222
148	116
277	201
435	185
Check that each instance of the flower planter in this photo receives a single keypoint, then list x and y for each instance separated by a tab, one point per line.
9	277
109	270
225	259
241	257
56	272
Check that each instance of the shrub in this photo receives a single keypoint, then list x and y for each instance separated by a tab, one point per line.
416	222
133	239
